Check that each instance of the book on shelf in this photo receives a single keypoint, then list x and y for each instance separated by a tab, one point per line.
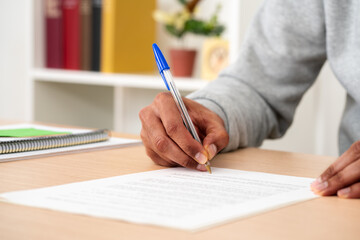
96	34
71	34
23	141
100	35
53	34
128	32
85	42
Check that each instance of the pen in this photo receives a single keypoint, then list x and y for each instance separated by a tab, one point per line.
165	73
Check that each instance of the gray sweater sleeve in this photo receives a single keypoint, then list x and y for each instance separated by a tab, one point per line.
281	57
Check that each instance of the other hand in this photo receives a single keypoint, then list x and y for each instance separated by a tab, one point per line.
342	177
169	143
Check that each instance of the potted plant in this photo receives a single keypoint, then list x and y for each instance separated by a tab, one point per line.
179	24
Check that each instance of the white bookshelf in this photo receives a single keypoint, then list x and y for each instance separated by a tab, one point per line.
95	99
141	81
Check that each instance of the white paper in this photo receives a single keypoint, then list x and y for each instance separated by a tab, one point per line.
113	142
176	197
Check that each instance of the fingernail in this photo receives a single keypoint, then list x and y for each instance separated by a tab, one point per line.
201	158
212	150
343	192
201	167
319	186
319	179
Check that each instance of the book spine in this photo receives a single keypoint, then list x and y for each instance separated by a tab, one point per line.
53	22
96	34
129	32
85	43
108	36
71	34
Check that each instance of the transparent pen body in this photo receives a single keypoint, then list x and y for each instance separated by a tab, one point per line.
182	109
180	105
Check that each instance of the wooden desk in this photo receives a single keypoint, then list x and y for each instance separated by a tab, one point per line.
322	218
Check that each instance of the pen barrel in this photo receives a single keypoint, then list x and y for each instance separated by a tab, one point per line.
183	111
181	106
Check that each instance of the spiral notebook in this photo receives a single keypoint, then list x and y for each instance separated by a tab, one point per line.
23	141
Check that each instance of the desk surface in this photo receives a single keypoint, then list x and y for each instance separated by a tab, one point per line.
328	217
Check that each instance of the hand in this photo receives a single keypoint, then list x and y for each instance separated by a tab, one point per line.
169	143
342	177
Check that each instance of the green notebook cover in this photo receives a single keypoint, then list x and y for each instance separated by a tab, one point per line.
29	132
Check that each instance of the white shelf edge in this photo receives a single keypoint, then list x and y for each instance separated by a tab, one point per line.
141	81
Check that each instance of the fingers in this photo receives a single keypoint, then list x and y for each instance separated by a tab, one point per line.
344	178
344	160
176	130
168	141
160	148
212	128
215	140
158	160
350	192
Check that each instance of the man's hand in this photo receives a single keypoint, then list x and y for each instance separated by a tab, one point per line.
342	177
169	143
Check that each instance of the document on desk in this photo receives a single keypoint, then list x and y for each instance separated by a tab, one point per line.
175	197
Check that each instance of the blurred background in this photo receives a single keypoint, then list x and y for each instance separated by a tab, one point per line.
89	63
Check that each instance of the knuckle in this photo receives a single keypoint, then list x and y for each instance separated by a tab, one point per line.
143	135
330	171
356	146
161	97
355	189
143	114
151	154
188	163
224	136
189	149
339	178
221	139
172	129
161	143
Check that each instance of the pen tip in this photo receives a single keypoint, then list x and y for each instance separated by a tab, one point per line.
208	168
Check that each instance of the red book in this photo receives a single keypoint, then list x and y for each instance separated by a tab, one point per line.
71	34
54	44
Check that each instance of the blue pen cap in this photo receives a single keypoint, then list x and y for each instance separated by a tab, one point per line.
160	60
161	63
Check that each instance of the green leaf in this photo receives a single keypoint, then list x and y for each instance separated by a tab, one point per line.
173	31
197	26
203	28
183	2
217	31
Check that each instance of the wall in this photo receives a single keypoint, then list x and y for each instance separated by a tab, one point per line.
13	56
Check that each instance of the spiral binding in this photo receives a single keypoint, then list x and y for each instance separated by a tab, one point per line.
47	142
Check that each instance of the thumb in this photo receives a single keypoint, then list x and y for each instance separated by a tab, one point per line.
215	140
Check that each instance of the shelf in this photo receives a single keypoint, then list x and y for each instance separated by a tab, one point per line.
141	81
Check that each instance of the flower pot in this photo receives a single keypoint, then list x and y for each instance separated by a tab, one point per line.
182	62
